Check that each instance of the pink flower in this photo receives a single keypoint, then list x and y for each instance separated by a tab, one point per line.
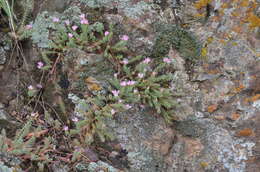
123	83
74	27
33	114
154	73
125	61
30	87
82	16
127	106
75	119
28	27
84	21
106	33
67	22
124	38
39	86
142	106
131	82
65	128
55	19
115	92
140	75
147	60
113	111
167	60
70	35
40	65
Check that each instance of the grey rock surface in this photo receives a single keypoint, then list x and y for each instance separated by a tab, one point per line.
3	56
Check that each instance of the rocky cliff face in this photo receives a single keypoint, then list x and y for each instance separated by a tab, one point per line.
215	53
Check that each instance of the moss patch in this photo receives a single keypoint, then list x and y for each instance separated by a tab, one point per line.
181	40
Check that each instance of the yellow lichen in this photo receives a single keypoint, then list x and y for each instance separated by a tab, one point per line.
201	3
204	52
254	21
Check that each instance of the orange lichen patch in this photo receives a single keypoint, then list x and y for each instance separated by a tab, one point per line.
201	3
253	77
204	52
215	18
92	84
204	164
212	108
220	117
224	5
254	21
253	98
235	116
199	15
205	65
235	13
213	71
245	132
239	88
234	43
237	29
210	40
37	134
222	41
244	3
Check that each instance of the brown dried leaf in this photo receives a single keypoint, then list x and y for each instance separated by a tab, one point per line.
212	108
235	116
245	132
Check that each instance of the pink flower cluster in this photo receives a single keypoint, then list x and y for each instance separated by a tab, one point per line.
75	119
113	111
30	87
147	60
67	22
40	65
74	27
140	75
83	19
28	27
125	61
65	128
115	92
124	38
167	60
127	106
55	19
70	35
39	86
126	83
106	33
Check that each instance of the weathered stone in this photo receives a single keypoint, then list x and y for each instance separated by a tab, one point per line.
60	168
101	166
3	56
145	137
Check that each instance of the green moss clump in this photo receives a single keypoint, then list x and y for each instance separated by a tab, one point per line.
181	40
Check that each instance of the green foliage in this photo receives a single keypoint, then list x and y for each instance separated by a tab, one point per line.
8	9
27	7
145	82
17	24
181	40
150	86
23	145
93	111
